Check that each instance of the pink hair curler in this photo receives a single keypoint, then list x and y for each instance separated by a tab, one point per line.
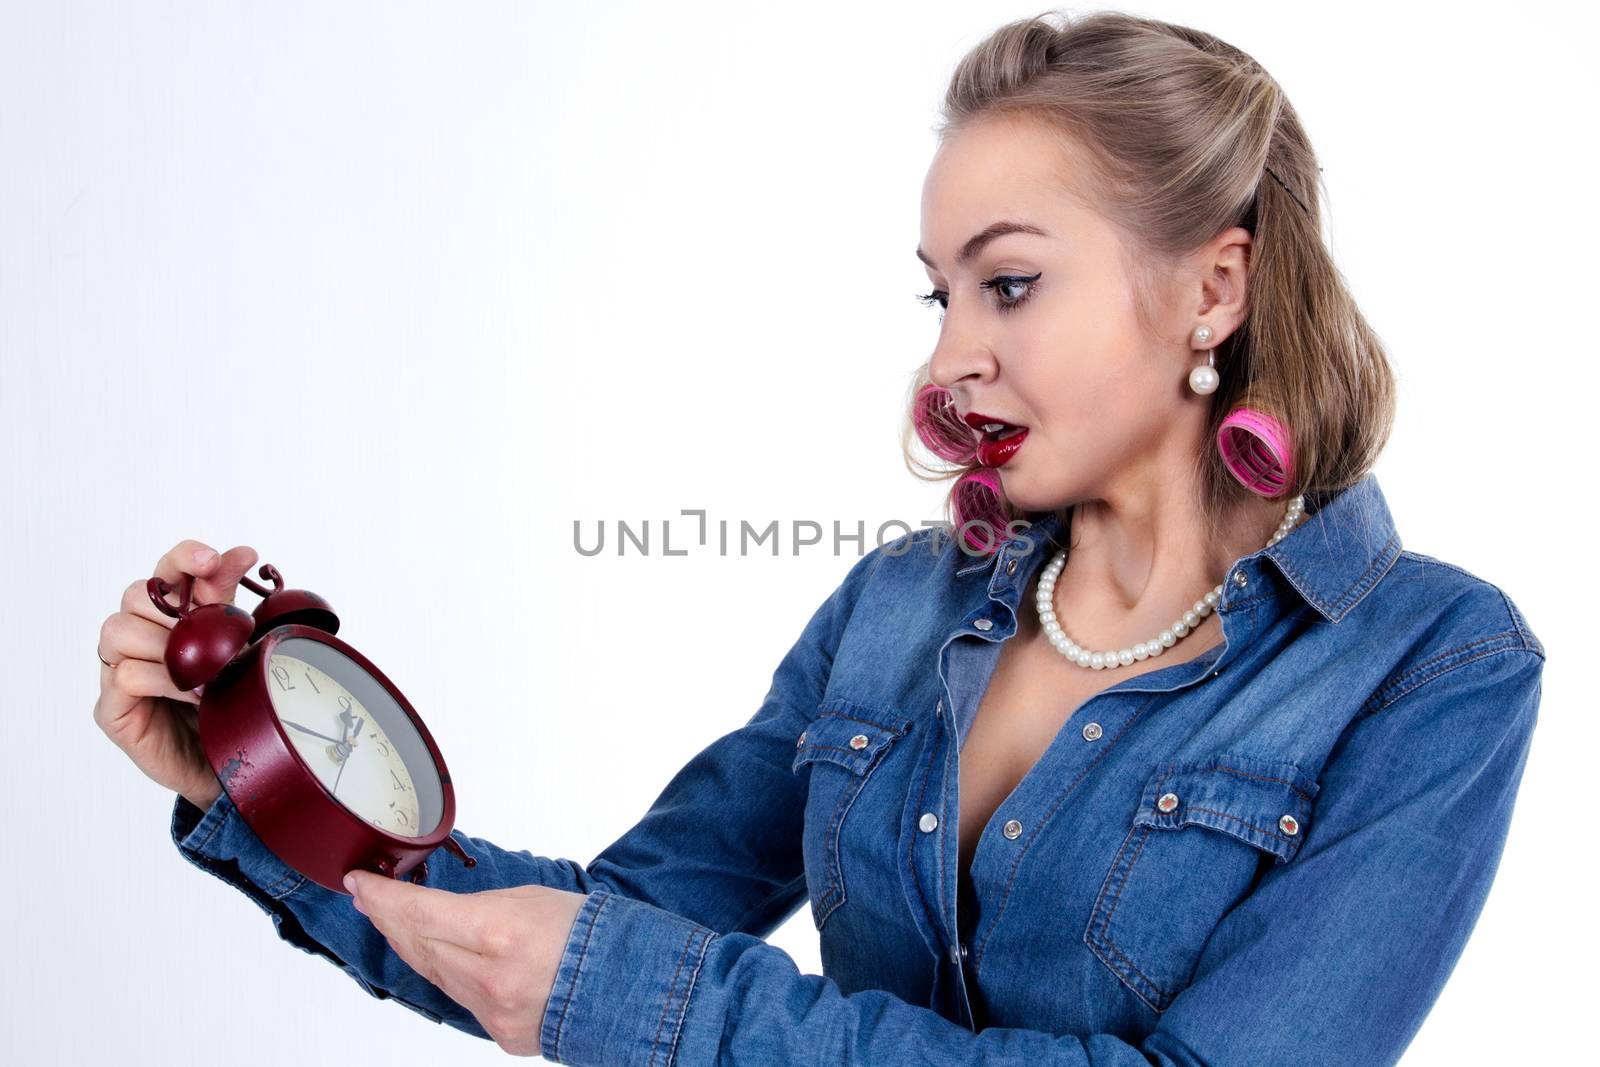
946	436
979	513
1256	449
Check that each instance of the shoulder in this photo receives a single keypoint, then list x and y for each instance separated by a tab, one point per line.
929	554
1465	605
1450	618
915	581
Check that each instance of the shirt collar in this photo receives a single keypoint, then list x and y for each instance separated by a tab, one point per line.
1332	559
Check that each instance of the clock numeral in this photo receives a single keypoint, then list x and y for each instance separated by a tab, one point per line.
281	673
344	702
313	682
398	784
382	747
405	820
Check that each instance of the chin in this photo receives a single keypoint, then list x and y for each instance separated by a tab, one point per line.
1019	493
1024	495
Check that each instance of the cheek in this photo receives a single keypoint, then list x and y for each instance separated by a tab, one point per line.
1092	420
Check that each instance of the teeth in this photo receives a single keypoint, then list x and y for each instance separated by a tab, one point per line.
991	427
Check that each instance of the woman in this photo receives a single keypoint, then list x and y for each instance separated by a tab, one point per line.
1257	830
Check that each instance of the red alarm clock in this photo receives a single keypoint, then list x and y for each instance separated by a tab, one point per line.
326	761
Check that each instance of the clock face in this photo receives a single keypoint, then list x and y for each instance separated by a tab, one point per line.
354	737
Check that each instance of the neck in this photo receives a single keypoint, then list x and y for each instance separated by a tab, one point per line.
1139	557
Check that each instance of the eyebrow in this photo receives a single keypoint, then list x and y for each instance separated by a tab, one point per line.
977	241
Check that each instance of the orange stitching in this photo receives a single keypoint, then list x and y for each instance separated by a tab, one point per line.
854	718
1270	833
1161	994
1264	778
672	987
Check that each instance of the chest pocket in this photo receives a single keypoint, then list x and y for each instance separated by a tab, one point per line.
1203	832
839	749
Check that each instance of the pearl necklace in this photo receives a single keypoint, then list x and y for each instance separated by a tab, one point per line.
1144	649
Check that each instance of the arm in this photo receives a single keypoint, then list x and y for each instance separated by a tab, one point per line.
724	857
1335	958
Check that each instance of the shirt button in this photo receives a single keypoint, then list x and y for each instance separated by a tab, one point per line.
1167	802
982	624
1012	829
958	953
858	742
1091	731
1239	579
1289	825
802	740
1011	566
928	823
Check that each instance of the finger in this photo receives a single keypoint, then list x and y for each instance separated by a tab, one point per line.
137	678
125	688
398	904
218	582
126	636
132	655
216	576
185	557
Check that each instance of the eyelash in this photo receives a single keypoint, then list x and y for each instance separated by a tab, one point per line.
938	297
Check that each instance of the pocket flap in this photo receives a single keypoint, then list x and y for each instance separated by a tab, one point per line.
848	734
1263	802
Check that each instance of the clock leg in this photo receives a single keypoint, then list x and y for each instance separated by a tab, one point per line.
451	844
419	872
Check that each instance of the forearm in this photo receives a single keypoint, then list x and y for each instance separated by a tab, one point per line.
326	923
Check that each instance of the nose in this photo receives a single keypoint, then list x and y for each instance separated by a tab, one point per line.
960	357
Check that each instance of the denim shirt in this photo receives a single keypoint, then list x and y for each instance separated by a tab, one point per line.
1271	853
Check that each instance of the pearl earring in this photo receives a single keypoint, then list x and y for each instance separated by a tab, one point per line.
1204	380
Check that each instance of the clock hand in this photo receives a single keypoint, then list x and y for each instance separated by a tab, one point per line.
313	733
347	736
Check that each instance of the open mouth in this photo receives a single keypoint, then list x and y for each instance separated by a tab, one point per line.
999	431
991	428
998	440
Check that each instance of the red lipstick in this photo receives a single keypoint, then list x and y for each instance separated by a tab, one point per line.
1000	439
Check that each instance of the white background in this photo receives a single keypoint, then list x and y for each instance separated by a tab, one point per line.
395	292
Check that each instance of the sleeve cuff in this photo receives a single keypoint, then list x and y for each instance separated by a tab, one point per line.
623	985
219	841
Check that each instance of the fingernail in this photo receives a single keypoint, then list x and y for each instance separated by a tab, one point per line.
202	556
350	883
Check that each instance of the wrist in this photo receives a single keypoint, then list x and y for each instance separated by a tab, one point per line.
203	799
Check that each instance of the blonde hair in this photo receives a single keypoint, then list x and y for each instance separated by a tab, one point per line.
1179	129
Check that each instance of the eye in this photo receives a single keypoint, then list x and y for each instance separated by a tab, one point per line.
1001	285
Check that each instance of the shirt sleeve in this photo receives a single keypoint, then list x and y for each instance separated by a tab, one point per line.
715	854
1334	958
325	923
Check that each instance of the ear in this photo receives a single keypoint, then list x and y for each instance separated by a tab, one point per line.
1224	272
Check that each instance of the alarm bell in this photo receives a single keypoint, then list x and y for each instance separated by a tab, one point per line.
207	638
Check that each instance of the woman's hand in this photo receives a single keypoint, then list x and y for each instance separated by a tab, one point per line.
495	953
140	708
